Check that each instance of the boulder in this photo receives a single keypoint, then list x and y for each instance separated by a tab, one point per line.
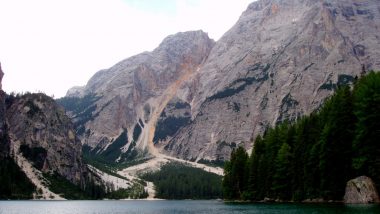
361	190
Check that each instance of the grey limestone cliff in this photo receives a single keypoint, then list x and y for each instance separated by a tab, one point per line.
279	61
40	131
128	97
200	100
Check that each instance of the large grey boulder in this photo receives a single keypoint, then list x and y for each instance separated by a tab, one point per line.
361	190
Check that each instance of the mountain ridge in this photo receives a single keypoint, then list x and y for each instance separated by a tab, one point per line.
134	89
278	62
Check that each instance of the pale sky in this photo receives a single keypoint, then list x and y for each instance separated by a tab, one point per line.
52	45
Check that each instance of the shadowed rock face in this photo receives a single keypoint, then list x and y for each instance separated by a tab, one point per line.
1	77
41	131
4	143
361	190
280	61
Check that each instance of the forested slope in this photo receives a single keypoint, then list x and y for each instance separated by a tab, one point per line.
315	156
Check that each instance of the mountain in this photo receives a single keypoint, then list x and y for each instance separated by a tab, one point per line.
332	154
14	182
39	151
116	112
197	100
280	61
43	134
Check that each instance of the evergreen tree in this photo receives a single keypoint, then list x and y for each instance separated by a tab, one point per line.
335	140
281	184
253	165
315	156
367	133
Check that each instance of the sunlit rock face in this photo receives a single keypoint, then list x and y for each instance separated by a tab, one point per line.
197	100
280	61
122	103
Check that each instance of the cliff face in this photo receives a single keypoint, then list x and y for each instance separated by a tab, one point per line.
122	103
280	61
41	132
198	100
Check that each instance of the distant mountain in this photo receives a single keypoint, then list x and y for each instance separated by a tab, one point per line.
197	100
38	148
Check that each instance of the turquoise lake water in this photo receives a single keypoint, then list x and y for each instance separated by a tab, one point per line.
176	207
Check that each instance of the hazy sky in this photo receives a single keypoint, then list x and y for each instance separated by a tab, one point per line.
52	45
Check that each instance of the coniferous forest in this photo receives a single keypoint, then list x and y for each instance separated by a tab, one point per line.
315	156
179	181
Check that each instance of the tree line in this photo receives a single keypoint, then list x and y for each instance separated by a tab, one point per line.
315	156
179	181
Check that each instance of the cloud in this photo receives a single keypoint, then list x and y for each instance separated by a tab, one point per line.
52	45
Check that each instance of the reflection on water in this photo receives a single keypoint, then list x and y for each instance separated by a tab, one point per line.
176	207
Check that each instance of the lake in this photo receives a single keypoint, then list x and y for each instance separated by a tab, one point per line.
176	207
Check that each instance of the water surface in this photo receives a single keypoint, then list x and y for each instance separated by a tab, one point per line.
176	207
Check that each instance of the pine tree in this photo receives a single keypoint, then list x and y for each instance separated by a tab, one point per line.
367	134
281	185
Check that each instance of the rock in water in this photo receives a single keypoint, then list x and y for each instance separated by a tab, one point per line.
361	190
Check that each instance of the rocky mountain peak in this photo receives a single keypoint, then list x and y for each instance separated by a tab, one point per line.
184	43
280	61
124	101
197	100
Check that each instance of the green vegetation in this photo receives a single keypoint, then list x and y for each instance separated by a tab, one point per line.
68	190
240	84
343	80
315	156
178	181
14	183
112	158
136	132
213	163
168	127
76	104
110	167
36	155
113	151
82	108
136	191
92	190
236	87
